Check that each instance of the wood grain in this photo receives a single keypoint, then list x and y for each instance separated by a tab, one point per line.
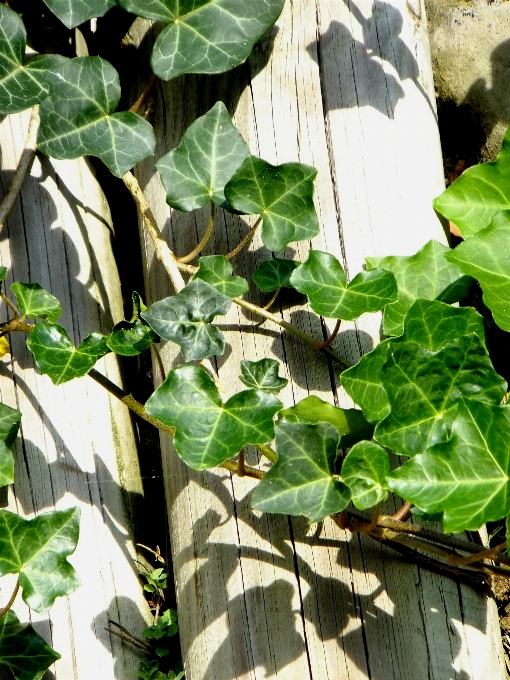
347	87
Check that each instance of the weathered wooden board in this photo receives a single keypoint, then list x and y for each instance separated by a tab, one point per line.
77	445
346	87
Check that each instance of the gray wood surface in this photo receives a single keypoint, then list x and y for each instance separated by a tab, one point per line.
77	445
346	87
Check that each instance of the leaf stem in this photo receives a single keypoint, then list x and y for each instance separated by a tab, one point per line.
10	305
245	241
272	300
130	639
196	251
327	343
11	601
144	95
159	362
241	464
488	554
404	513
248	471
267	451
134	637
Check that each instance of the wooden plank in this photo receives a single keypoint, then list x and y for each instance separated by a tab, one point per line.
346	87
77	446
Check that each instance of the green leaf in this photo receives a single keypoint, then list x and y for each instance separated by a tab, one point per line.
210	151
129	339
72	13
281	194
273	274
37	550
208	431
3	273
322	278
424	389
186	318
35	302
23	650
10	420
55	355
216	270
302	480
426	516
478	194
484	256
426	275
468	476
262	375
364	470
78	117
349	422
208	36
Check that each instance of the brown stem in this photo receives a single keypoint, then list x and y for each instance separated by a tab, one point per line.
245	240
10	305
196	251
327	343
146	649
267	451
404	513
248	471
144	95
127	632
272	300
154	552
11	601
488	554
241	471
368	528
24	165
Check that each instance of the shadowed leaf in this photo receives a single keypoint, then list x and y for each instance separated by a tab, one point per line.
10	420
23	650
274	273
364	470
72	13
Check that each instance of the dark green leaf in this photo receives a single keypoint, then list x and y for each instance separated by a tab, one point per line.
35	302
281	194
485	256
138	306
72	13
23	650
78	117
478	194
426	516
56	356
3	273
186	318
349	422
424	389
302	480
468	476
208	431
210	151
129	339
322	278
37	550
364	470
426	275
10	420
273	274
209	36
217	272
262	375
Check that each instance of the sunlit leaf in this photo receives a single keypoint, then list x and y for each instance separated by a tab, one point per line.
209	36
281	194
262	375
186	318
322	278
37	550
72	13
35	302
208	431
195	172
5	348
10	420
468	476
274	273
55	354
216	270
364	470
78	117
23	650
302	481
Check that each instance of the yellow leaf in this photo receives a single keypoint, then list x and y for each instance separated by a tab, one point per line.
4	347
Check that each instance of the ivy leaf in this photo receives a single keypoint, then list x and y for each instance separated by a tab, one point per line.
424	389
349	422
3	273
186	318
364	470
5	348
273	274
322	278
72	13
21	85
427	275
281	194
262	375
10	420
216	270
208	431
468	476
37	550
35	302
302	480
210	36
131	338
23	650
78	117
210	151
478	194
55	354
484	256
